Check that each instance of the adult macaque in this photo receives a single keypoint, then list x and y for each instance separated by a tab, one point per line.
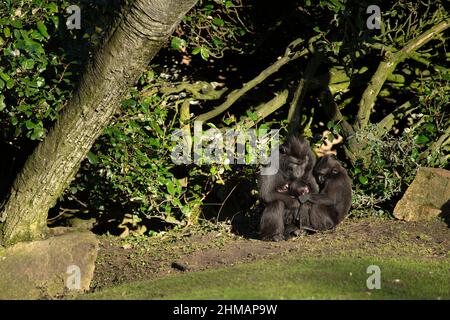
296	161
324	210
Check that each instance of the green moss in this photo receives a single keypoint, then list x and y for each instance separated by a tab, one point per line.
298	278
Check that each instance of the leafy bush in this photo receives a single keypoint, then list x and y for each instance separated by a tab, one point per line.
214	27
34	77
395	157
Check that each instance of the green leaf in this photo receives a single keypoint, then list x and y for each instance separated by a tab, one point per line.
204	52
430	127
29	124
42	29
421	139
2	103
17	24
55	20
4	76
229	4
218	22
363	180
27	64
40	82
170	188
38	133
217	42
178	43
9	83
129	103
92	158
53	7
7	32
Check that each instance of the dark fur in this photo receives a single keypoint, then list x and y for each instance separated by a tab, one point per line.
296	161
324	210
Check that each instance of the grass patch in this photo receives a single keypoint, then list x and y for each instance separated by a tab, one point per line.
297	278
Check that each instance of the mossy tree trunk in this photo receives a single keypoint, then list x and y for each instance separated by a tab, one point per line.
137	36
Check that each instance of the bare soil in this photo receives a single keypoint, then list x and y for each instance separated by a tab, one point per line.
197	248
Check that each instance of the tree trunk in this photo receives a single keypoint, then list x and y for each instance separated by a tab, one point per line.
135	39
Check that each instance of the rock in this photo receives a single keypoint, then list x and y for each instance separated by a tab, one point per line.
48	269
427	197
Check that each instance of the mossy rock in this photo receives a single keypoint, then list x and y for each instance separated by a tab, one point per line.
47	269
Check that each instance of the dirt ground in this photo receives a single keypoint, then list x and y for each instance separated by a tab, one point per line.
131	259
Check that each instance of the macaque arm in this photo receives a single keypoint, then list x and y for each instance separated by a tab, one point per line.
319	198
285	198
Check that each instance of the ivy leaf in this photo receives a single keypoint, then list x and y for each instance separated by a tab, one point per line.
29	124
53	7
229	4
92	158
27	64
2	103
218	22
38	133
421	139
7	32
170	188
204	52
178	43
4	76
42	29
363	180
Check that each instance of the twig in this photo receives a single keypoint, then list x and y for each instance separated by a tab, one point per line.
224	201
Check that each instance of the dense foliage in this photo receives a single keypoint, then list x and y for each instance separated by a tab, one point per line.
219	46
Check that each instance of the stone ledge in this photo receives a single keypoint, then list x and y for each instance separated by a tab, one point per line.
39	269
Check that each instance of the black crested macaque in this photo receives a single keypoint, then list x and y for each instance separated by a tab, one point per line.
292	215
296	161
324	210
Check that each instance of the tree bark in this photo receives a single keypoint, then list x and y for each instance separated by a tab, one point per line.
136	37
